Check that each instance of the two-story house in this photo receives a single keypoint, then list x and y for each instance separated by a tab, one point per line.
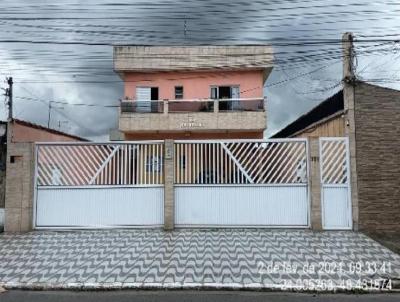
192	92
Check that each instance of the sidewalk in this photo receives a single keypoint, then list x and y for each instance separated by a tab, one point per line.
223	259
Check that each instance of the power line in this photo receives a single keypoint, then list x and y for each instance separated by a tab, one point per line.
277	42
66	103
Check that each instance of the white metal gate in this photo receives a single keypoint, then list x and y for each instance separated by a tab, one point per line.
87	185
335	183
242	183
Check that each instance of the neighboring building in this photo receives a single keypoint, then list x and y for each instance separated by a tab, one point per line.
377	142
192	92
19	189
377	125
326	119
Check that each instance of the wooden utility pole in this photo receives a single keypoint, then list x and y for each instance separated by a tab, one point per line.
349	83
9	94
49	117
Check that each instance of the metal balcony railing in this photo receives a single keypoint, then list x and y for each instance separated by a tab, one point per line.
197	105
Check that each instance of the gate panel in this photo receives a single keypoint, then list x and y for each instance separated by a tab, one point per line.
242	183
100	207
241	206
99	185
335	183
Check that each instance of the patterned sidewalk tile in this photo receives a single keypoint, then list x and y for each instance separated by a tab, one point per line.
194	258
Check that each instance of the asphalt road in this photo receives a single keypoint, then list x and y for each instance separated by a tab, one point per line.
196	296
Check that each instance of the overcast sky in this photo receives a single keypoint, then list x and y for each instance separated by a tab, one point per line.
305	36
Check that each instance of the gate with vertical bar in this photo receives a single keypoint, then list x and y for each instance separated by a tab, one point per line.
95	185
243	183
335	183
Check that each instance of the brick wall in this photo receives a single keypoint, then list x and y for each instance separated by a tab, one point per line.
19	189
377	124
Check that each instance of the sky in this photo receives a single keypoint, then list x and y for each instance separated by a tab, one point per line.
61	51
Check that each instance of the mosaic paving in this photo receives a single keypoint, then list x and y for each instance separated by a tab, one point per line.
253	259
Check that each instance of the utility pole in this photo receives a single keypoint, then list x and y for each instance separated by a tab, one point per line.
50	107
184	28
349	83
48	119
9	94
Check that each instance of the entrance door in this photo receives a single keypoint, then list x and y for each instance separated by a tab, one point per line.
229	96
335	183
144	96
143	99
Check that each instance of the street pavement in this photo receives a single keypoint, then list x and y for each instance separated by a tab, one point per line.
191	259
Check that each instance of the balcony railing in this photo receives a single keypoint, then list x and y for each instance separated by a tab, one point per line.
197	105
142	106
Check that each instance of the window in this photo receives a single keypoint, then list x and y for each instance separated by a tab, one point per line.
214	92
178	92
231	93
144	98
146	93
225	92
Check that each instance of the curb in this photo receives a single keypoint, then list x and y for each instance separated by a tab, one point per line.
86	286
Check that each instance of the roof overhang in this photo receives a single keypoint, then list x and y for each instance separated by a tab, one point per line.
147	59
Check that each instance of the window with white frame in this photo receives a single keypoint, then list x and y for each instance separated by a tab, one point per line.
231	93
178	92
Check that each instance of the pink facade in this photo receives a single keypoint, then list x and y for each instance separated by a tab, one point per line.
196	85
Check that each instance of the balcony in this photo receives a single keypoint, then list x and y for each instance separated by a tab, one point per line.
204	115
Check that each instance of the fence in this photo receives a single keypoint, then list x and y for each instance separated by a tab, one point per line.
238	183
241	183
99	185
193	105
100	164
238	162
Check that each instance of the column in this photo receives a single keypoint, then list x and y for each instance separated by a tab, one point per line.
315	185
169	198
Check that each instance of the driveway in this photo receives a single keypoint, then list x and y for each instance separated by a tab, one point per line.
223	259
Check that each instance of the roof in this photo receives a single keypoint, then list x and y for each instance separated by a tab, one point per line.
36	126
145	58
325	109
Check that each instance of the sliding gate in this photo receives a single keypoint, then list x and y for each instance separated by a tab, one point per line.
79	185
242	183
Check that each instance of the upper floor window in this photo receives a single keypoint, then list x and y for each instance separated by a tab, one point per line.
144	98
178	92
146	94
230	93
224	92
